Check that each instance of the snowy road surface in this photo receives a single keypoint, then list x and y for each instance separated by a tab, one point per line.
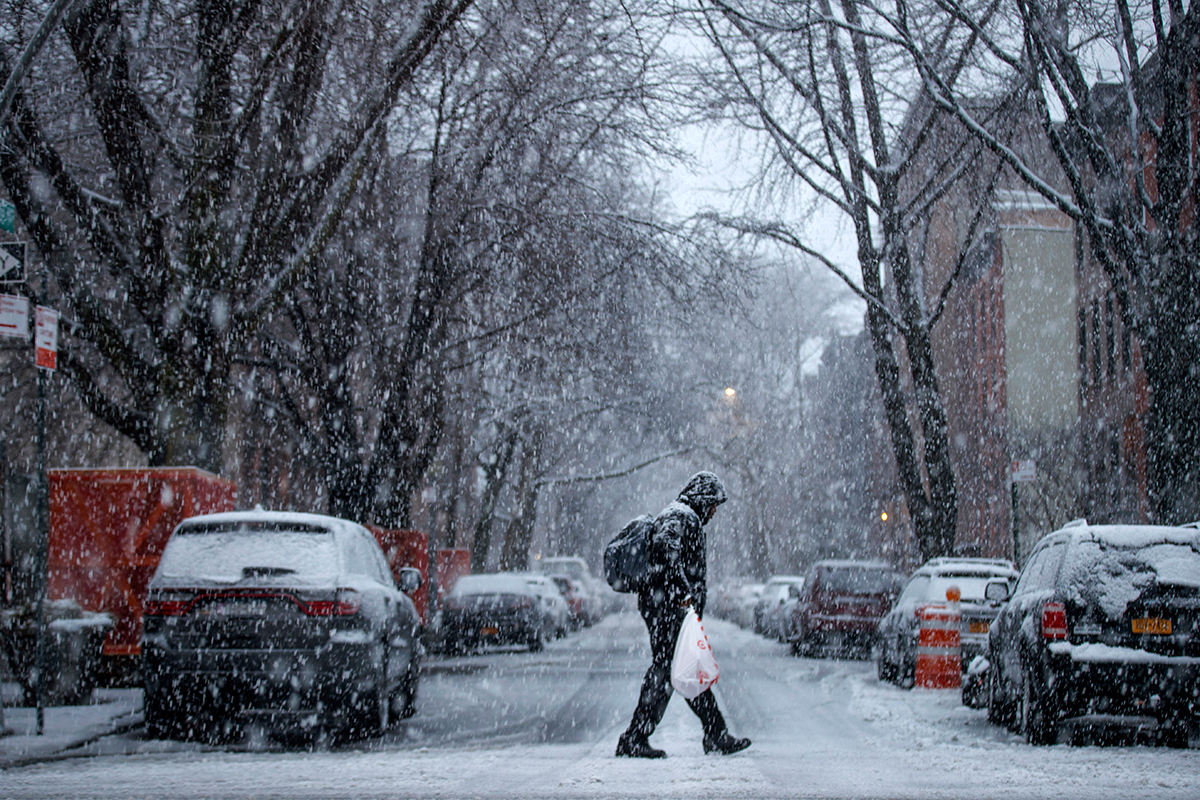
520	725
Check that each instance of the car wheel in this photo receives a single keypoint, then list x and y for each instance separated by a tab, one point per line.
537	642
1037	722
156	715
999	710
404	703
1175	735
884	669
906	668
369	714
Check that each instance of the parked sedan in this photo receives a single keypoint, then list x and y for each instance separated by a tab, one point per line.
501	608
1103	630
292	619
774	596
896	655
554	606
578	602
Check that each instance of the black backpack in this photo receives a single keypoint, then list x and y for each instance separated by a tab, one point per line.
626	560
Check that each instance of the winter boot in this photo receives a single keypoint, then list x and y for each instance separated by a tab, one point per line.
637	747
725	744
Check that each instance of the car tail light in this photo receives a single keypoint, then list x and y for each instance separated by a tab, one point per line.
167	604
345	604
1054	621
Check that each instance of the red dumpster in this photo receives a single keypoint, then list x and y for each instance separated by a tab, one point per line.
108	528
407	548
452	564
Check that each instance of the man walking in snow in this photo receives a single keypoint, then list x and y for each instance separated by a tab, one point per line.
678	573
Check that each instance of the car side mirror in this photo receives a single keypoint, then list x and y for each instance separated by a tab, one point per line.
410	580
996	591
793	591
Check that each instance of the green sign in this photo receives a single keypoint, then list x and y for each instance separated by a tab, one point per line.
8	214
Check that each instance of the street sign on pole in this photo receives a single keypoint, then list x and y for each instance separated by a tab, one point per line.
1024	471
12	262
8	216
46	338
14	316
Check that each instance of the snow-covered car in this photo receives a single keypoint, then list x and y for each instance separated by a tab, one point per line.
499	608
1103	630
768	619
896	654
601	597
554	605
785	617
579	603
840	606
291	619
736	603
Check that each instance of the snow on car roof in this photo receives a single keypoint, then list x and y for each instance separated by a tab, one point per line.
1138	536
236	546
228	520
966	569
842	563
492	583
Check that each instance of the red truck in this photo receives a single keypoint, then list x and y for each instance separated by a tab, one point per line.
108	528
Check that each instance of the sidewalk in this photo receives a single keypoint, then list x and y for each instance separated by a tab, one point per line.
66	727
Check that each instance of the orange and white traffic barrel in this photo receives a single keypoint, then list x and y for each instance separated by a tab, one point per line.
939	648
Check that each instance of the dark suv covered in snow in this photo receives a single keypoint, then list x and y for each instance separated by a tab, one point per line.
1102	632
293	619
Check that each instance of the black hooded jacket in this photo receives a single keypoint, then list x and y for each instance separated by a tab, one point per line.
678	552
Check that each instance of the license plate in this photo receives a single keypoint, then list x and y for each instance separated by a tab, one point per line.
977	627
1152	625
488	631
236	608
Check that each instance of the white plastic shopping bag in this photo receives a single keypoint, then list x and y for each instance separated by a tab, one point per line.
693	670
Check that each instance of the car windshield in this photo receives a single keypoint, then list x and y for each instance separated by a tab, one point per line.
1111	575
207	556
858	580
971	586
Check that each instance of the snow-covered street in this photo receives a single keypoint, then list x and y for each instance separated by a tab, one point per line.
519	725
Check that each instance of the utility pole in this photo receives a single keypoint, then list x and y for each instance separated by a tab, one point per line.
45	356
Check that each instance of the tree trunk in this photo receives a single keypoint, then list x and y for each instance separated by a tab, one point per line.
494	473
518	538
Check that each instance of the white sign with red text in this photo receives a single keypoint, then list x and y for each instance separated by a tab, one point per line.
46	337
1024	471
14	315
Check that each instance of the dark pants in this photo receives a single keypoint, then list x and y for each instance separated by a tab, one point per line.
663	622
